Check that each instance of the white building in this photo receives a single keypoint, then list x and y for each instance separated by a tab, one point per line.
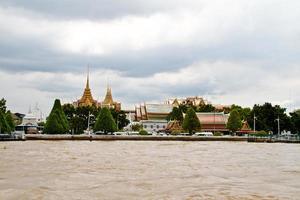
154	125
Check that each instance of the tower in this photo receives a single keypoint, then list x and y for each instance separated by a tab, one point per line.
87	97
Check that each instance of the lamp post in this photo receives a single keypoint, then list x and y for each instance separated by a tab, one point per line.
254	119
89	132
278	125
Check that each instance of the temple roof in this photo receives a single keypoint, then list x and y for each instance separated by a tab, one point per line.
212	118
159	108
87	98
108	100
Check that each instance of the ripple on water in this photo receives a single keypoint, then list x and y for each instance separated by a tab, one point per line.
148	170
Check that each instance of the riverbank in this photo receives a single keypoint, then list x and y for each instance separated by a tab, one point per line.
133	137
150	138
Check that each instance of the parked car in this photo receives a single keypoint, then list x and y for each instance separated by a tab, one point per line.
204	134
99	133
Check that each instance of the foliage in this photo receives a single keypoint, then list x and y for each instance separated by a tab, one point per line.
4	126
120	118
175	132
234	121
218	134
205	108
266	116
10	120
7	123
143	132
53	124
295	121
259	134
57	122
105	122
2	105
191	122
136	127
243	112
42	124
176	114
78	117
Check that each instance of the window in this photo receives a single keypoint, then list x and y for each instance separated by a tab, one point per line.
145	126
151	126
157	126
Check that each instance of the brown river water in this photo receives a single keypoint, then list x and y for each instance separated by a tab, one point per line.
148	170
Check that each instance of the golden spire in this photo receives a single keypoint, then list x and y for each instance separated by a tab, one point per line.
88	77
87	98
108	100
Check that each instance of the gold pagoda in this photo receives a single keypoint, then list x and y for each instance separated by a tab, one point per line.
87	97
109	102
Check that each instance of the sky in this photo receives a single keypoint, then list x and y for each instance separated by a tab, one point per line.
229	52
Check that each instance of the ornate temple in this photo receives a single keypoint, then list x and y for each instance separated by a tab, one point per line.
88	100
109	102
87	97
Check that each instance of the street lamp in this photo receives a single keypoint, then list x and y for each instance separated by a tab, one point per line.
254	119
278	125
89	131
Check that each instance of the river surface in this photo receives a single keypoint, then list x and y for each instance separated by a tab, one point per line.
148	170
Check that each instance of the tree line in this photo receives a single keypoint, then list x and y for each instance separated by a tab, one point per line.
70	119
7	124
265	115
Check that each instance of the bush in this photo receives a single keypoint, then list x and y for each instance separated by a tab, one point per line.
260	134
143	132
218	134
175	132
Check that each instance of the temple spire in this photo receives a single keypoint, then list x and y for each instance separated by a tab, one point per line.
88	78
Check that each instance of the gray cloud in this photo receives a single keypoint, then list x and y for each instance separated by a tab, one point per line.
232	52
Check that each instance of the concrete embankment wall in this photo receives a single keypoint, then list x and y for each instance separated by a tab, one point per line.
133	138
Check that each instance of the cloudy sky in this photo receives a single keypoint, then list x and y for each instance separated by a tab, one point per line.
228	51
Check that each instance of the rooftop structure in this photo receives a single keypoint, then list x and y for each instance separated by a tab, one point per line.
109	102
213	121
153	111
87	97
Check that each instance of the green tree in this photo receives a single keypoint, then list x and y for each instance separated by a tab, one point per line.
105	122
206	108
234	121
266	116
191	122
295	121
243	112
53	124
10	120
176	114
120	118
136	127
57	122
4	126
2	105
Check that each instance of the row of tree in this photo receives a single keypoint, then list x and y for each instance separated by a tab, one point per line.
7	124
70	119
265	115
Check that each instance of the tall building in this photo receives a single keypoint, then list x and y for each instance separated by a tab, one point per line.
87	97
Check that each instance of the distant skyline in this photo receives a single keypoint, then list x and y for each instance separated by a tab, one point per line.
229	52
